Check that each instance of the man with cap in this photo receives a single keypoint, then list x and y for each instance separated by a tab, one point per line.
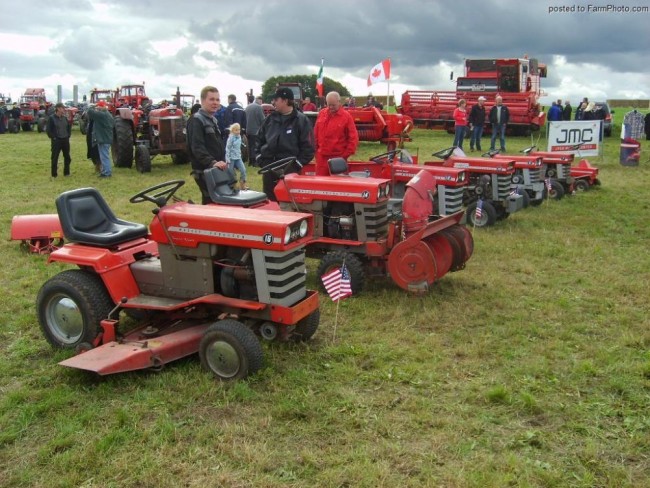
285	132
476	122
58	130
102	131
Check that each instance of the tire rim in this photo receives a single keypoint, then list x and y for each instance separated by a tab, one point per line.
223	359
64	319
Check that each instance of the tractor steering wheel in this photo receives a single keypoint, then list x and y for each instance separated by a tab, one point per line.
158	194
387	157
280	164
445	153
528	150
490	154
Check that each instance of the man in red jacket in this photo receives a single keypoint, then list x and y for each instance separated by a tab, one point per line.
335	133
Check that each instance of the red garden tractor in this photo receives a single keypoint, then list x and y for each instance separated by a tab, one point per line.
489	181
152	131
353	225
528	180
203	278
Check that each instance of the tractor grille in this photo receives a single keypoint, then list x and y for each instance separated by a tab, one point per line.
450	199
501	184
375	221
171	131
280	276
563	171
536	175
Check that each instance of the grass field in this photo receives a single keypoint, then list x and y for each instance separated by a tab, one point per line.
530	368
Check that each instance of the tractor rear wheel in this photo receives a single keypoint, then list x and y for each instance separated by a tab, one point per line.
13	126
230	350
488	215
180	158
122	147
306	327
142	159
334	260
26	126
581	185
41	125
70	307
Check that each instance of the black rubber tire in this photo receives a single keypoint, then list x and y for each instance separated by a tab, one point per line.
307	327
335	259
557	190
180	158
41	125
13	126
70	307
122	147
230	350
526	198
488	217
581	185
142	159
26	127
83	126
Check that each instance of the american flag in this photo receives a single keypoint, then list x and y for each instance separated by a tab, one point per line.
338	283
515	191
479	210
548	184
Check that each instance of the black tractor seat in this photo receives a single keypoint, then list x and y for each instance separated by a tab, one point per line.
221	187
86	218
339	167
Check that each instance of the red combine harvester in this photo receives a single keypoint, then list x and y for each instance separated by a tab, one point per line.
353	225
152	131
204	278
516	80
489	181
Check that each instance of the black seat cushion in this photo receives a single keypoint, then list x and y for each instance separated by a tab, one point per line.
86	218
221	185
338	166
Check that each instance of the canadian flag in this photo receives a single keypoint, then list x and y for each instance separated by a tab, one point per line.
380	72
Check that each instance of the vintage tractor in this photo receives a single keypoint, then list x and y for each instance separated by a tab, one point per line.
33	109
203	278
151	131
528	180
96	94
489	181
352	225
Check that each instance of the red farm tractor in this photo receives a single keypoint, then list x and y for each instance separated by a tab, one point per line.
203	278
152	131
354	225
516	80
96	94
490	183
33	110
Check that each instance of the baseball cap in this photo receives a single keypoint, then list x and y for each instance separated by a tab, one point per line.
283	92
101	103
482	98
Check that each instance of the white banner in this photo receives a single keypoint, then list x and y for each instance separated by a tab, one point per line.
562	136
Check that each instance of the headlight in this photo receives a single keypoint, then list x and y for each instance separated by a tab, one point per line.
387	193
304	227
156	132
461	176
287	235
184	130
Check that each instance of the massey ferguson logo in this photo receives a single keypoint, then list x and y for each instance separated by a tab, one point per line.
267	239
365	194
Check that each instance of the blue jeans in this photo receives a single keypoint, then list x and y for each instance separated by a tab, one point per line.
459	136
475	140
238	164
501	130
105	158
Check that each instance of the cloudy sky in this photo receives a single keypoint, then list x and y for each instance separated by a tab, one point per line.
237	45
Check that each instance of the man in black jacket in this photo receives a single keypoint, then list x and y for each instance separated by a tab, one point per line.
58	130
476	122
499	117
234	114
285	132
204	141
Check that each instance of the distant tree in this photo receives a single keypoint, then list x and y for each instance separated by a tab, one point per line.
308	83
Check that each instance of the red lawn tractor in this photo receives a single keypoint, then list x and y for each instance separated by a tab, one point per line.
152	131
489	181
203	278
353	225
528	180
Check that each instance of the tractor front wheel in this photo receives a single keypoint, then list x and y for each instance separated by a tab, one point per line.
42	124
70	307
487	218
180	158
581	185
334	260
306	327
122	147
230	350
142	159
557	190
13	126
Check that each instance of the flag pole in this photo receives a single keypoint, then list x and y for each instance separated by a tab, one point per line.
388	91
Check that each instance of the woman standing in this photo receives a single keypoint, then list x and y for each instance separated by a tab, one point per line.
460	123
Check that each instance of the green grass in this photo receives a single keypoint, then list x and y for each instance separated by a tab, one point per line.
529	368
